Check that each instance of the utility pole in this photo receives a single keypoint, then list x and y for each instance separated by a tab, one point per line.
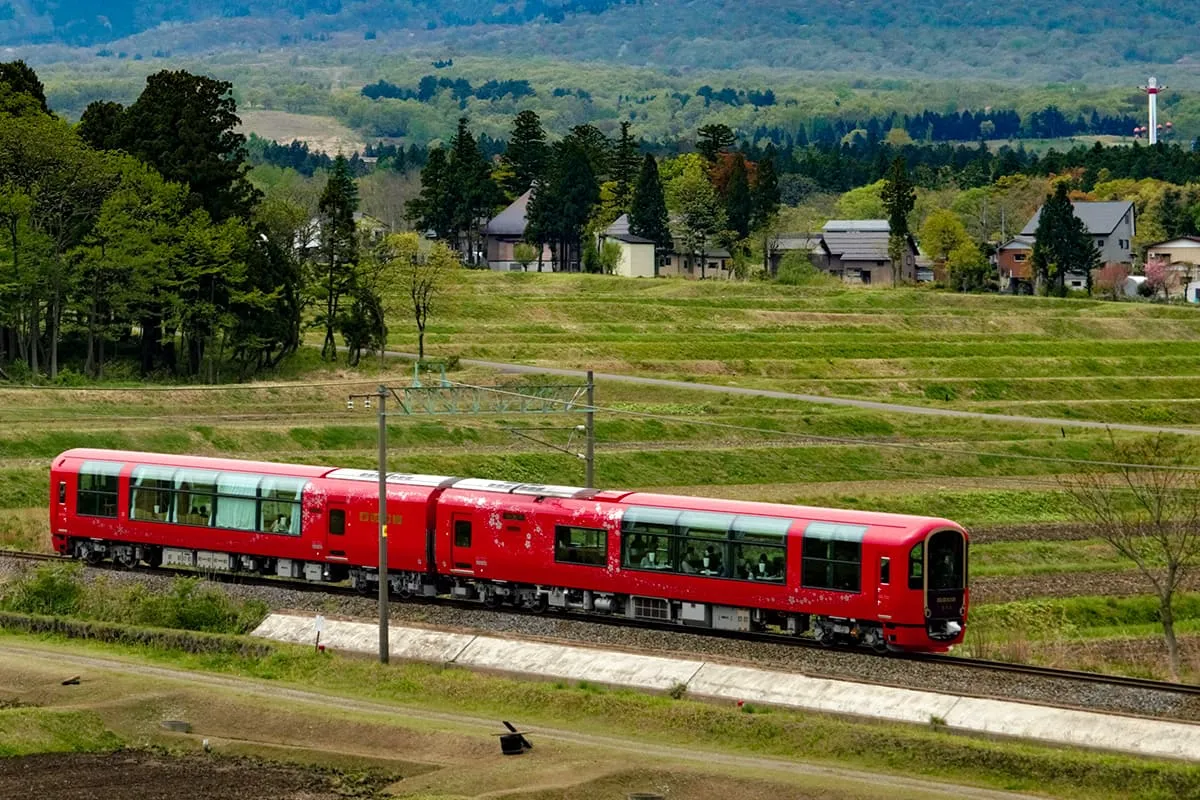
590	457
383	565
462	398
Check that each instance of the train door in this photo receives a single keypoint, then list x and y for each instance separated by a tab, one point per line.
883	588
461	555
334	533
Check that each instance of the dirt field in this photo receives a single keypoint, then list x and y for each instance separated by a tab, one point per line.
323	134
141	775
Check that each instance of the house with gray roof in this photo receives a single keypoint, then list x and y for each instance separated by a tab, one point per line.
505	231
856	250
1111	225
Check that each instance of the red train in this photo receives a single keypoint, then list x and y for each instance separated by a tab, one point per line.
885	581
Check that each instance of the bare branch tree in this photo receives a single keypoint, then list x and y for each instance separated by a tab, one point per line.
422	276
1147	510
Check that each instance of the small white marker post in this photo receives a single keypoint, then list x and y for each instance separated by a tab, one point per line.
319	624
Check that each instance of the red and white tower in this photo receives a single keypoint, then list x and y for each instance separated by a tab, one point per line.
1152	89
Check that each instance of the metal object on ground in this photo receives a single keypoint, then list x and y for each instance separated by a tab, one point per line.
514	742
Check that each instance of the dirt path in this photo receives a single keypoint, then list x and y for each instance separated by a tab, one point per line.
871	405
612	743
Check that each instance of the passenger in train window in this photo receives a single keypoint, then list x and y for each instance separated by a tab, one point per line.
689	562
637	549
280	525
712	561
648	561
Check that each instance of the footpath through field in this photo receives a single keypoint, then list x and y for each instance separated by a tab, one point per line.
872	405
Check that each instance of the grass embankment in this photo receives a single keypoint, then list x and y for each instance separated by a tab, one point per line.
26	731
911	750
59	591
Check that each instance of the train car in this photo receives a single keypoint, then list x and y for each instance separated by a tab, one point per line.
708	563
886	581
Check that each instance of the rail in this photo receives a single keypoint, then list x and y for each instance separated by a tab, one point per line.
1030	670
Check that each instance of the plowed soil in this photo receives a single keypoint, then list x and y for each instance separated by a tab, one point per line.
136	775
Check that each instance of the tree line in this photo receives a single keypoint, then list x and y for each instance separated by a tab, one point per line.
579	185
137	234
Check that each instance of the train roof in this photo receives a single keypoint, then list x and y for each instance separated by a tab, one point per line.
195	462
841	516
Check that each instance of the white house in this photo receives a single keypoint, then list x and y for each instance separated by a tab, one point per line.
637	252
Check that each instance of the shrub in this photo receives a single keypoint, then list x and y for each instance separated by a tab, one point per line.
796	269
54	589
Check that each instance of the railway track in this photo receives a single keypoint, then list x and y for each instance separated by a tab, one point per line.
980	665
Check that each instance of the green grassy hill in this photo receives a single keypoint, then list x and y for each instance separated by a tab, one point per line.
1136	362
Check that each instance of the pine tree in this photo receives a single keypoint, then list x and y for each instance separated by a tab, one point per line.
338	252
560	208
766	197
739	206
899	196
1062	244
470	183
185	126
626	163
432	209
526	154
595	147
648	208
711	140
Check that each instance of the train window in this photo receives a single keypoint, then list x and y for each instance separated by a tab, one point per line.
237	501
97	493
280	508
946	561
195	497
581	545
337	522
916	566
759	549
462	533
151	494
885	571
645	551
62	492
831	556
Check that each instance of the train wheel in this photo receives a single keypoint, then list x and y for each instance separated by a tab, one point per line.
126	557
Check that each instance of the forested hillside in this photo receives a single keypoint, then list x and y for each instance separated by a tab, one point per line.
1002	38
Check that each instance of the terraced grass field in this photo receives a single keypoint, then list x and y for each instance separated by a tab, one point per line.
1074	359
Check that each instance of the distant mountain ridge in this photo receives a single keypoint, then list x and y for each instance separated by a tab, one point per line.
1048	39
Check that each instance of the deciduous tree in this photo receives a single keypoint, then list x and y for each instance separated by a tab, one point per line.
1146	506
941	233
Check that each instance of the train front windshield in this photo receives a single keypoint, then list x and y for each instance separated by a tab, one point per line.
947	566
945	593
